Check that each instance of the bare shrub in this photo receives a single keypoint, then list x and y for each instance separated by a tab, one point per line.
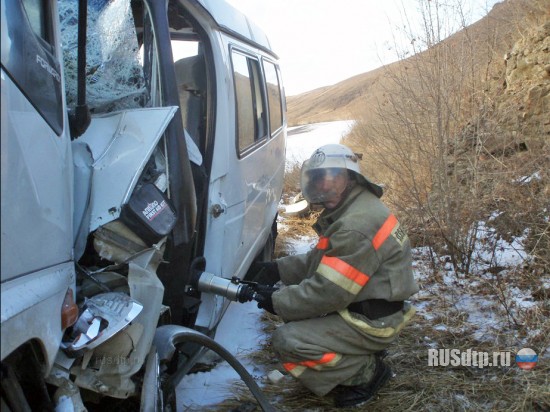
437	143
291	184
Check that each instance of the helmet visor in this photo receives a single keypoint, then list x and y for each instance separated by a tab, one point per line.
323	185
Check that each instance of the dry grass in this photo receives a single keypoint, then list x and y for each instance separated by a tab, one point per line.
441	323
292	230
291	184
499	309
417	386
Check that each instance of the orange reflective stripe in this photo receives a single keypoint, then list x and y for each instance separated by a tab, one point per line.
326	358
346	270
289	366
384	232
323	243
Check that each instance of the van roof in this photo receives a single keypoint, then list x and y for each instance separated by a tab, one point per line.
232	20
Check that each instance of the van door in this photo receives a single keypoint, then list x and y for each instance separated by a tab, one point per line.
36	163
36	180
244	196
246	172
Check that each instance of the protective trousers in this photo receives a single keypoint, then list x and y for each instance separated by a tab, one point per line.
326	351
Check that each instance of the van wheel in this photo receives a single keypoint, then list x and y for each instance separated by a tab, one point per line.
23	387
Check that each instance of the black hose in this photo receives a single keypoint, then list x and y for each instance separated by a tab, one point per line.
179	334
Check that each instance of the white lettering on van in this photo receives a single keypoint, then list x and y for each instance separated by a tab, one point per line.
46	66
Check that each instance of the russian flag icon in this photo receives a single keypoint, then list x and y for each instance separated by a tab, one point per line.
526	358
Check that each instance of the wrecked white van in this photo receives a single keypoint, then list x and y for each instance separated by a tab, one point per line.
143	142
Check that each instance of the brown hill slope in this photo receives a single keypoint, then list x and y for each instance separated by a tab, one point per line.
497	32
457	131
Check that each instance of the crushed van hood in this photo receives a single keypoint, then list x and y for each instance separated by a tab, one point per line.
120	144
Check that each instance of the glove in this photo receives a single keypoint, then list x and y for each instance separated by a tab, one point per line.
265	273
264	297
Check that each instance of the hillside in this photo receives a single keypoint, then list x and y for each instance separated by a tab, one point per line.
497	38
458	131
459	135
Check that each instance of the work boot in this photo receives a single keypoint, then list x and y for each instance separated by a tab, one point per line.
360	394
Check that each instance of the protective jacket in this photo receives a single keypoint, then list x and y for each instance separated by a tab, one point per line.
363	254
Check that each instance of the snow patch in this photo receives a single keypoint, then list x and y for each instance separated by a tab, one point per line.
238	332
303	140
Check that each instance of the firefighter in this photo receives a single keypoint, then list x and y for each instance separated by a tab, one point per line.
343	302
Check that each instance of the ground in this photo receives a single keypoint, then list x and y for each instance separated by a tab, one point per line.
442	358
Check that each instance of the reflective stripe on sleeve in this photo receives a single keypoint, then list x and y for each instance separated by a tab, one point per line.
384	232
323	243
327	360
342	274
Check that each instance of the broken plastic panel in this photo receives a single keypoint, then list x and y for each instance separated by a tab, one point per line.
102	317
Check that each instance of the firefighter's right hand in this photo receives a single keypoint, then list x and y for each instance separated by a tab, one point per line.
265	273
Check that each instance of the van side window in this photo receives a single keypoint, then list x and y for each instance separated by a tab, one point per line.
250	101
28	57
190	67
273	96
37	17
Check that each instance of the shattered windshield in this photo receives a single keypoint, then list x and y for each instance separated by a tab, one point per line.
114	72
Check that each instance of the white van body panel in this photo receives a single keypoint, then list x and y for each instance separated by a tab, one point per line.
230	18
41	292
245	189
35	163
67	187
120	144
37	266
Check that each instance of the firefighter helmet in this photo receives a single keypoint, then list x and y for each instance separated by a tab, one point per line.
325	175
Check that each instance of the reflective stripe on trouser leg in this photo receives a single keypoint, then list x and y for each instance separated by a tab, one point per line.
299	343
326	361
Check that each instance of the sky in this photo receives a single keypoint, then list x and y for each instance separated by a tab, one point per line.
322	42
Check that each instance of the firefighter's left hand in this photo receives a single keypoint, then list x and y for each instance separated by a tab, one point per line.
266	273
263	297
